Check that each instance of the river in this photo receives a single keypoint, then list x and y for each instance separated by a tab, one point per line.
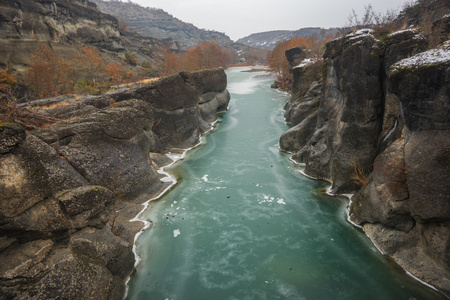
244	223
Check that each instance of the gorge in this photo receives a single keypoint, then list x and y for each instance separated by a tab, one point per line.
244	223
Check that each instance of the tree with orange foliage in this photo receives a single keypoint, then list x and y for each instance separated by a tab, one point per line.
7	81
205	55
91	63
170	63
191	60
49	74
115	72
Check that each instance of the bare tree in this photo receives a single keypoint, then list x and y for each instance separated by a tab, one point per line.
370	18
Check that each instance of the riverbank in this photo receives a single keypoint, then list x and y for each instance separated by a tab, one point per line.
71	188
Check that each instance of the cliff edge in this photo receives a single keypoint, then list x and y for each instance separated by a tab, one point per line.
69	190
376	123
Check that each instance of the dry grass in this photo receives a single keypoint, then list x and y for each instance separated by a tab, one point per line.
55	105
11	113
359	176
140	82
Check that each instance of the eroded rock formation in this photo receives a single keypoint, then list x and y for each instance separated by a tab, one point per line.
65	25
384	107
60	236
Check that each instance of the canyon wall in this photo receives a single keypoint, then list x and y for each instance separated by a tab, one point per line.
377	124
65	26
69	190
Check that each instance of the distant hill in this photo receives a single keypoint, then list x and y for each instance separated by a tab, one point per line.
157	23
268	40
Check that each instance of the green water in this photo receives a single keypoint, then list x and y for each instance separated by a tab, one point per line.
243	223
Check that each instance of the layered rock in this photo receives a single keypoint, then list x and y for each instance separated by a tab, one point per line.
25	24
65	25
160	24
382	108
69	190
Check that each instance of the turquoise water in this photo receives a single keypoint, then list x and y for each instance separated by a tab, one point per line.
243	223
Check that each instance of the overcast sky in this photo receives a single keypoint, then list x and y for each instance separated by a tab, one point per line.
239	18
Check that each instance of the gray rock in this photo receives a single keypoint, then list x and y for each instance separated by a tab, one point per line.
295	56
87	205
427	160
105	248
11	135
17	262
69	190
384	108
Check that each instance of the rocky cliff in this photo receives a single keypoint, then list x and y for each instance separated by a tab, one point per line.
158	23
376	123
64	25
269	39
69	190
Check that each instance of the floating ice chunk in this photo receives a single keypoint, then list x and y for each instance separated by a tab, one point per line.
281	201
176	232
205	178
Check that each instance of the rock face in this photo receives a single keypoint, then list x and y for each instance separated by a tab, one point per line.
160	24
383	108
26	23
269	39
61	234
64	25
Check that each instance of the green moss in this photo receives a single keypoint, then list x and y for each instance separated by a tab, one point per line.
6	124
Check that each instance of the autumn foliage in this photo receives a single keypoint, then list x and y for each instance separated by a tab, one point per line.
6	80
51	75
205	55
91	64
278	63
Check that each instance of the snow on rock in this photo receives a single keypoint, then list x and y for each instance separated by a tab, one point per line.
304	63
412	30
432	57
361	33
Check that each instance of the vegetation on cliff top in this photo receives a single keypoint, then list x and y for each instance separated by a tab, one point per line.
314	48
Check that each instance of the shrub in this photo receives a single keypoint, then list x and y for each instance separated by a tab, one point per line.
130	59
359	175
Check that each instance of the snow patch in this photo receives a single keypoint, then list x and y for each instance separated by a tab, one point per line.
432	57
304	63
413	30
